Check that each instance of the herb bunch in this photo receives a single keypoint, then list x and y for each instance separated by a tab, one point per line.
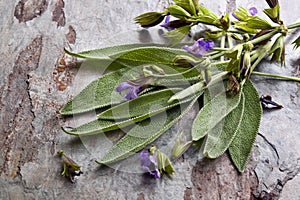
164	83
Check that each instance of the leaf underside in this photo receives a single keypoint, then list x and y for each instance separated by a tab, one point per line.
220	137
144	133
242	143
139	113
212	113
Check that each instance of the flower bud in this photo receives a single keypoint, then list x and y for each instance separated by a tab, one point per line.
207	76
158	69
278	50
188	5
164	163
149	19
177	11
180	147
184	61
272	3
246	63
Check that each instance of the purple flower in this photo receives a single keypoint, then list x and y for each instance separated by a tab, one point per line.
166	25
132	90
252	11
149	163
200	47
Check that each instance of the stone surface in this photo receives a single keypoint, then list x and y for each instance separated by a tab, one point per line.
37	79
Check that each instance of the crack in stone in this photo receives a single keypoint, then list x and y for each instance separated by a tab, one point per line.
18	143
271	145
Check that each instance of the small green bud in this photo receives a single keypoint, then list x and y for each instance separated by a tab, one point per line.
149	19
224	21
70	168
158	69
272	3
241	13
278	50
188	5
235	52
164	163
178	12
184	61
180	147
246	63
273	13
147	72
206	76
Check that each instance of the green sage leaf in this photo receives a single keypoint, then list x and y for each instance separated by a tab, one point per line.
144	133
97	94
197	88
220	137
148	55
106	52
177	34
146	104
242	143
212	113
115	122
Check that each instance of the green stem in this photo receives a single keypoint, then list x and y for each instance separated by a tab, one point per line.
217	55
220	63
229	40
295	25
260	55
288	78
235	31
201	66
221	49
222	44
264	37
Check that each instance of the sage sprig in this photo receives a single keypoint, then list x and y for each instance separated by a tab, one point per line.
154	85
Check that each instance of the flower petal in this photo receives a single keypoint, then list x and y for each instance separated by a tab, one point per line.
252	11
123	86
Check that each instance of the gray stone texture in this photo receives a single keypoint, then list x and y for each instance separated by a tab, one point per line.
37	79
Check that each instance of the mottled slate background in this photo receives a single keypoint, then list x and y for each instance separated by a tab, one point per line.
37	79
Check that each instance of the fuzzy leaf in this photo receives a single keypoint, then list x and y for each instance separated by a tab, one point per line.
241	145
177	35
104	125
97	94
144	133
212	113
148	55
219	137
106	52
197	88
145	104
